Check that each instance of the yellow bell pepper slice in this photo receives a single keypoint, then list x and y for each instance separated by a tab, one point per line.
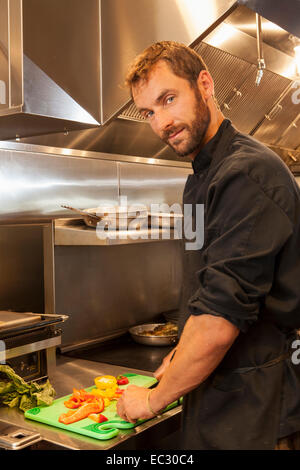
104	382
108	392
99	393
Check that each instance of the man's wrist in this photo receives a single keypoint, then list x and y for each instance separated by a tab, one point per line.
153	404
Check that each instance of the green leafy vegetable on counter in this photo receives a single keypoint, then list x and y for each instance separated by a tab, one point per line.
14	391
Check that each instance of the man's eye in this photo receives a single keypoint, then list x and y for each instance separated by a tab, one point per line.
148	114
170	99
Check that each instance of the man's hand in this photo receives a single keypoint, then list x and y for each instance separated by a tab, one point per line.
165	363
132	405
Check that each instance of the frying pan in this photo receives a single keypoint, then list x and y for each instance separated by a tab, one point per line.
137	335
108	214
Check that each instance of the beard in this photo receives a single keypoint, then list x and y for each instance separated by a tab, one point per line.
197	129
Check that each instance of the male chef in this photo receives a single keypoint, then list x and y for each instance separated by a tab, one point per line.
233	363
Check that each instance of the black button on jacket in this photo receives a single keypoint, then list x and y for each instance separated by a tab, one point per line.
248	271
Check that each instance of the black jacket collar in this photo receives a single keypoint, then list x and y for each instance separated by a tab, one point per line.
212	149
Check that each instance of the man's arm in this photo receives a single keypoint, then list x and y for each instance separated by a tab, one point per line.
165	363
202	346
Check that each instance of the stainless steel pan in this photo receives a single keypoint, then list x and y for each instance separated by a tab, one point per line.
136	334
91	218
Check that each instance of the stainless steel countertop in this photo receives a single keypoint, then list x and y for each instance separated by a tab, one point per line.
80	374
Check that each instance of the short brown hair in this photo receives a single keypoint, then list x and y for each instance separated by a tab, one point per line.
184	62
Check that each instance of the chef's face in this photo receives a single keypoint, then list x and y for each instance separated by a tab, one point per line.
175	110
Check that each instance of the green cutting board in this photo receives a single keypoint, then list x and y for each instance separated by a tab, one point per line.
88	427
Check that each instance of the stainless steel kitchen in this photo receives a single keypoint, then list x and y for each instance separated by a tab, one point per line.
94	289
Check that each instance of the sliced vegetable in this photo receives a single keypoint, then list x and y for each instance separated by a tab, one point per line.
100	400
106	402
82	404
81	395
104	382
81	413
98	417
72	403
109	392
122	380
117	394
98	393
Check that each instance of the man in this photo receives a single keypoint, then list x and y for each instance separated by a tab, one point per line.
233	361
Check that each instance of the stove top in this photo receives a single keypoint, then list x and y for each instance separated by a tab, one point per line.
123	351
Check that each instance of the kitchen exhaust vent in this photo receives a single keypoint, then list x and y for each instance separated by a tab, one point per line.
33	100
62	62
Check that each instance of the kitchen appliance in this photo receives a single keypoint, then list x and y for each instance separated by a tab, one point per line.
16	438
28	343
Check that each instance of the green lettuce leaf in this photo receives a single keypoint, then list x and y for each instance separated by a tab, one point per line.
46	394
27	402
14	391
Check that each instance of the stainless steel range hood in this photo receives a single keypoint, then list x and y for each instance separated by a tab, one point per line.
62	62
80	51
33	99
283	14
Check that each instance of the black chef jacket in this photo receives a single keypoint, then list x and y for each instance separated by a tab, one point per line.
248	272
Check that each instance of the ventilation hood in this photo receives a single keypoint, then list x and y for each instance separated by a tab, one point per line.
79	52
62	61
34	98
286	15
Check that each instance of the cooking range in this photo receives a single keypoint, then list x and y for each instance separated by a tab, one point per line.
125	352
28	343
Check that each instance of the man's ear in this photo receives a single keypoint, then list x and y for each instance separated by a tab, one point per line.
205	84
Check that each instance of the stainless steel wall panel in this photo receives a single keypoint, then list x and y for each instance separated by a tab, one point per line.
22	275
34	185
108	289
146	184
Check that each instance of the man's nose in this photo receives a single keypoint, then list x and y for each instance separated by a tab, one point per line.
163	120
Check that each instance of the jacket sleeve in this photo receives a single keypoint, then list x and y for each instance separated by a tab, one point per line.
245	230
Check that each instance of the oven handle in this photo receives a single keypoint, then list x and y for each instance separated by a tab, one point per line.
29	348
55	319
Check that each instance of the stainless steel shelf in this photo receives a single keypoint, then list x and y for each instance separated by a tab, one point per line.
73	234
